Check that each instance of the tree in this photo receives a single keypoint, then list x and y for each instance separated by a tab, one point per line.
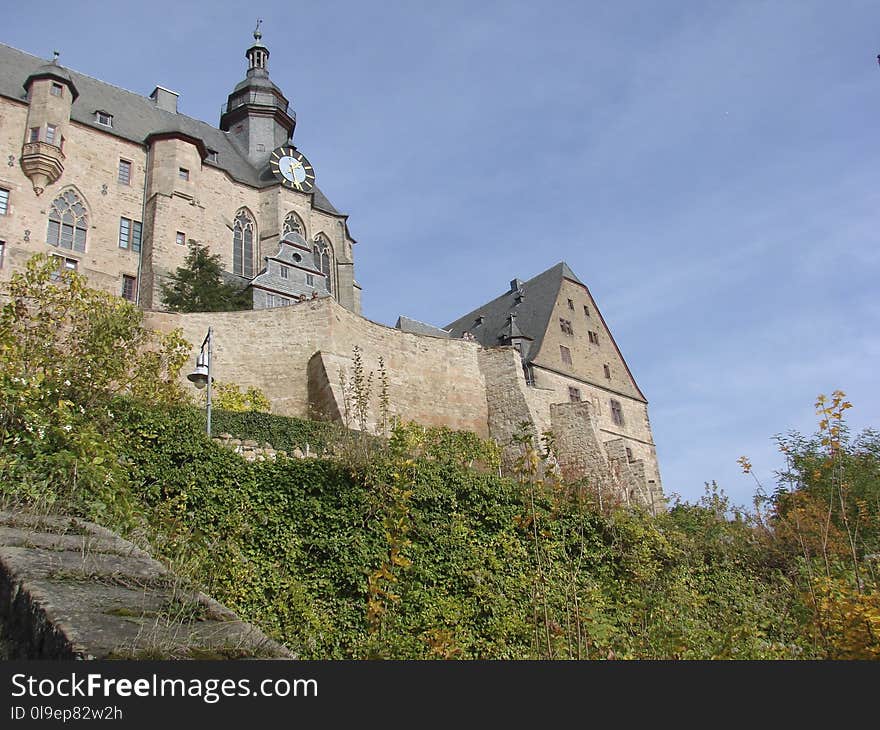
198	285
229	397
67	354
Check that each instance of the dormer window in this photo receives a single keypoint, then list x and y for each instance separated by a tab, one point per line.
479	320
104	119
213	156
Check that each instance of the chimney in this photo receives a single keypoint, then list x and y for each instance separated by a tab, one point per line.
515	285
165	99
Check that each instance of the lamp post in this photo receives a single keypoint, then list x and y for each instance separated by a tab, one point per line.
201	376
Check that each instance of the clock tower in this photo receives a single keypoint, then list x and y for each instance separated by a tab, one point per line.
257	114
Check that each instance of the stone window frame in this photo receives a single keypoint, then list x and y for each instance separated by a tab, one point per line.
130	234
2	252
183	174
565	355
607	370
594	337
571	304
293	222
34	134
56	89
565	326
51	133
180	238
68	221
574	394
617	413
129	287
322	249
64	263
244	234
586	311
4	201
285	272
124	178
124	232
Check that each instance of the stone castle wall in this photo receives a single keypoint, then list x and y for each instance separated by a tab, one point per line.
434	381
302	358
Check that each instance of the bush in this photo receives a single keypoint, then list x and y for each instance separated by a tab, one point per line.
67	353
283	432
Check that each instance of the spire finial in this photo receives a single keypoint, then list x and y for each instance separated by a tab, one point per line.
257	33
55	55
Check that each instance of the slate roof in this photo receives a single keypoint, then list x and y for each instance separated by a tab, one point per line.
533	311
135	117
532	303
405	324
270	278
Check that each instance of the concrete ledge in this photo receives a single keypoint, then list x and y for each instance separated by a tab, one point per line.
70	589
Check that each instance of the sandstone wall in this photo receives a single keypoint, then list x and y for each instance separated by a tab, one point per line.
91	167
636	429
202	208
433	381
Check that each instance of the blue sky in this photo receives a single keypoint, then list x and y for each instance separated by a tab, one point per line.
707	168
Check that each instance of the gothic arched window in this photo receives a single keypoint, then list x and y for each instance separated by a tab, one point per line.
68	222
323	252
243	244
293	224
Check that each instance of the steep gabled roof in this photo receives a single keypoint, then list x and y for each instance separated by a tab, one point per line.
533	302
135	117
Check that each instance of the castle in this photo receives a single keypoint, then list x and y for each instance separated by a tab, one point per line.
115	185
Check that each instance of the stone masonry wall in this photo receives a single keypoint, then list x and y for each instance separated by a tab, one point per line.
91	168
434	381
301	355
506	397
70	589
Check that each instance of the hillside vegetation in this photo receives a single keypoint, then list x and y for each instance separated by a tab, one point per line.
415	545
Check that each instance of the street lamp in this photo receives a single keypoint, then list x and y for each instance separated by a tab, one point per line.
201	376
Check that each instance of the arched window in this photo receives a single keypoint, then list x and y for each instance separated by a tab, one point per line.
293	224
243	244
68	222
323	252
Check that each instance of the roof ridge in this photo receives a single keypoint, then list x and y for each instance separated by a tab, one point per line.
139	96
241	170
484	305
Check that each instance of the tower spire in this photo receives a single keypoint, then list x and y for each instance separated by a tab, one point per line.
256	111
258	55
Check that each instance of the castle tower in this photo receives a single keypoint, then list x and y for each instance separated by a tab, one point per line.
50	94
257	114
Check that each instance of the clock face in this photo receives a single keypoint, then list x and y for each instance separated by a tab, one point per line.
292	168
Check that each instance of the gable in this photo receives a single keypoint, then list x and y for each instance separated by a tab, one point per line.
589	341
